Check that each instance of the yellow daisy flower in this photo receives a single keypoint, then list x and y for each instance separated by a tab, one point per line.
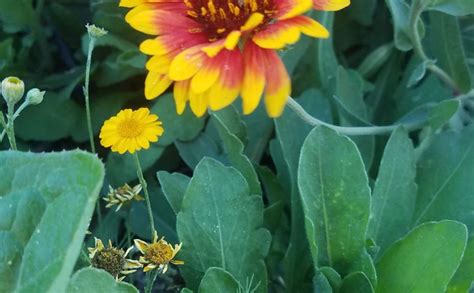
157	254
112	259
131	131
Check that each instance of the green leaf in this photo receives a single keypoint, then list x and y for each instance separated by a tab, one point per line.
174	186
16	15
36	190
234	148
444	178
92	280
452	7
291	133
336	199
218	280
220	225
333	277
417	75
192	152
423	261
394	195
440	114
184	127
121	168
400	13
375	60
463	280
448	48
356	282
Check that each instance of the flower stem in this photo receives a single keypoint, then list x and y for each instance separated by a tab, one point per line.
151	280
86	92
10	126
351	131
4	125
145	190
415	13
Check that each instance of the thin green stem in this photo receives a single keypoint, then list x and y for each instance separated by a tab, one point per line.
415	14
151	280
4	125
11	126
351	131
145	190
86	92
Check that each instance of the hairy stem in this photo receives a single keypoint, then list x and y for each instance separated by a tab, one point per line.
145	190
351	131
86	92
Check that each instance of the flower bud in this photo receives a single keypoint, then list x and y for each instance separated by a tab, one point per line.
34	96
13	89
95	32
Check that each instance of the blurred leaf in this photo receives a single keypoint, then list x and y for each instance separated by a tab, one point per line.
423	261
7	52
184	127
463	280
394	194
333	277
93	280
259	131
17	15
417	74
47	121
452	7
192	152
363	11
375	60
174	186
448	48
220	226
444	178
400	13
336	199
325	57
356	283
442	113
218	280
36	190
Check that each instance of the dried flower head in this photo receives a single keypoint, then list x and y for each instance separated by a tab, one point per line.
95	32
112	260
157	254
122	195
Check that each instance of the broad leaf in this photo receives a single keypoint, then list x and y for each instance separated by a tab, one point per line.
218	280
423	261
394	195
220	225
92	280
47	201
336	199
173	186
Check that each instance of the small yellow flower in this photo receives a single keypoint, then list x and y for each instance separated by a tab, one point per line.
131	131
157	254
112	260
122	195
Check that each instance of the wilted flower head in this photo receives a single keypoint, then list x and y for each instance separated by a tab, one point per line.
215	50
157	254
13	89
122	195
95	32
112	260
131	131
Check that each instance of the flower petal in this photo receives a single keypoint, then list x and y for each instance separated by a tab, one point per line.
330	5
186	64
206	76
291	8
254	77
141	245
309	26
181	95
277	35
278	85
156	84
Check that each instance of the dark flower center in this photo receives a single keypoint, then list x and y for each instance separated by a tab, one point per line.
219	17
109	259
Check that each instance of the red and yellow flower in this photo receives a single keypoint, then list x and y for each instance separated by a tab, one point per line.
215	50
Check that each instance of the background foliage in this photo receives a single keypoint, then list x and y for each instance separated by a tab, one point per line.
259	204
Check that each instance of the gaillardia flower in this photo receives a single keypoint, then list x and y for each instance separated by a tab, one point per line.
157	254
216	50
112	260
131	131
122	195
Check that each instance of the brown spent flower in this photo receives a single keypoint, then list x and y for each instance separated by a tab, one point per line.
112	259
122	195
157	254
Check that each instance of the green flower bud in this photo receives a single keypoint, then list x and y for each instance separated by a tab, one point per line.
13	89
95	32
34	96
